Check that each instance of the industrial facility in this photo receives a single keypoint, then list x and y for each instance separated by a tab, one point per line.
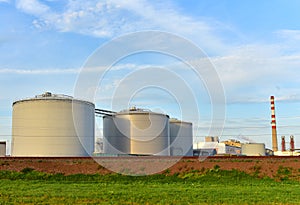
60	126
287	152
54	125
211	146
283	152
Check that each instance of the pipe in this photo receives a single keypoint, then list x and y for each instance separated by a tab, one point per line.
273	123
104	111
101	112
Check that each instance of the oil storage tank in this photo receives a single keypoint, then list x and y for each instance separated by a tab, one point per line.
253	149
116	132
53	125
138	132
181	138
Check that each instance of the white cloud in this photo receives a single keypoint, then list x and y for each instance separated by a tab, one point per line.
252	73
5	1
33	7
249	72
108	19
111	18
87	70
38	72
289	34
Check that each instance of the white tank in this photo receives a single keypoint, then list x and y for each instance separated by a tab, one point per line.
181	138
253	149
137	131
53	125
2	149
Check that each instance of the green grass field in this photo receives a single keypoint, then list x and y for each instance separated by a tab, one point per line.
209	187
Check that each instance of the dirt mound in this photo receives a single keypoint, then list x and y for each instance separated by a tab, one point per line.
272	167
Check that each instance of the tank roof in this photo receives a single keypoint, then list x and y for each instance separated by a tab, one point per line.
175	120
51	96
135	110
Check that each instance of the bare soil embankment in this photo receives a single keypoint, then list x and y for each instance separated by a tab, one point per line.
272	167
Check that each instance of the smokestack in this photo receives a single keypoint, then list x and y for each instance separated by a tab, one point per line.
273	123
292	143
283	143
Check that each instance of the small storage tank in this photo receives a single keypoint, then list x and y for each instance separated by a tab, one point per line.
2	148
181	138
53	125
253	149
136	131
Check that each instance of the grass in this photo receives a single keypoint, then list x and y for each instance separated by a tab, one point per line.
213	186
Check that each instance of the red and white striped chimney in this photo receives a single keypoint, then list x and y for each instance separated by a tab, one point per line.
273	123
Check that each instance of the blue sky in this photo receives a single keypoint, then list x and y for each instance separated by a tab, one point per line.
254	46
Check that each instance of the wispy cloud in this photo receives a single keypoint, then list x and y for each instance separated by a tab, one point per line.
106	19
38	72
290	97
289	34
250	72
33	7
253	72
5	1
122	67
110	18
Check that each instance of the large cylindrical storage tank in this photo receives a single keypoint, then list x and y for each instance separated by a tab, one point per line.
147	132
114	141
181	138
53	125
253	149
